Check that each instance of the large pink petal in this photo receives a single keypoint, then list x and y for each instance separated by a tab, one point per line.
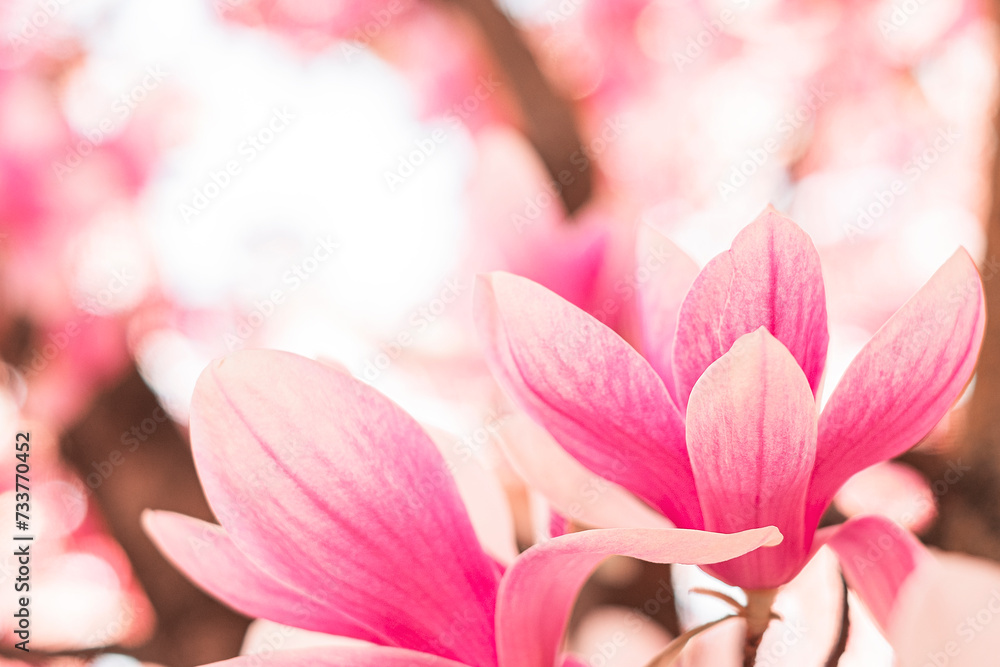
328	485
595	394
771	278
877	556
903	381
670	275
341	656
751	433
537	593
206	554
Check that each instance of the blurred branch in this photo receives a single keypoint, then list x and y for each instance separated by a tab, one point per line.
969	514
155	470
845	629
550	123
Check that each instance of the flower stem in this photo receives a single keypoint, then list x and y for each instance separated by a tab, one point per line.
758	616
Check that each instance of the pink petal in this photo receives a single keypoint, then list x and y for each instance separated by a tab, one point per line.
483	495
341	656
877	556
596	395
769	278
672	273
751	432
575	492
537	593
332	488
893	490
947	614
903	381
206	554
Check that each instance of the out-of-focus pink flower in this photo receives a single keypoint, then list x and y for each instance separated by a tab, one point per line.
338	516
315	22
934	608
717	427
520	224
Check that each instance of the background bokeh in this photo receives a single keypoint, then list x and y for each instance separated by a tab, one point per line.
183	178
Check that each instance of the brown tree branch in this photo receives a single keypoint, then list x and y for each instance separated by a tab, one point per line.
132	457
969	511
550	122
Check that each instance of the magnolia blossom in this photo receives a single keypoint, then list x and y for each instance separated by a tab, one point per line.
339	516
716	425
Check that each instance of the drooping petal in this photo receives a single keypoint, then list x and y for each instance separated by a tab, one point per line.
903	381
877	556
770	278
751	432
327	484
206	554
537	593
342	656
577	493
671	273
597	396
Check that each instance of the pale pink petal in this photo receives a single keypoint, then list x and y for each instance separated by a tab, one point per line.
617	636
671	273
751	432
596	395
537	593
328	485
893	490
769	278
903	381
264	636
206	554
483	495
575	492
947	614
877	556
342	656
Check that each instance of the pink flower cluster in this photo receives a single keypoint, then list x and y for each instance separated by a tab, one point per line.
338	513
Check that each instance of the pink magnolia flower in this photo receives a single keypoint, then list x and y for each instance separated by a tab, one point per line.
338	516
716	426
